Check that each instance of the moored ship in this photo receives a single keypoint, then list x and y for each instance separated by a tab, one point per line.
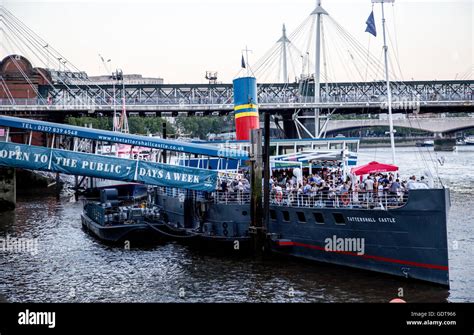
406	238
395	230
403	235
469	140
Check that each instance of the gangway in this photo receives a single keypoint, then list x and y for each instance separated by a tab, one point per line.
73	162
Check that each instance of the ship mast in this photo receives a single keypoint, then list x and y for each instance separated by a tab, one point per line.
387	80
317	71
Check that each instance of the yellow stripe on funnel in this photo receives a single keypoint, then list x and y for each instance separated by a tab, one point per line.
246	106
244	114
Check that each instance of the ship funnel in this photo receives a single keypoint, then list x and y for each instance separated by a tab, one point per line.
245	107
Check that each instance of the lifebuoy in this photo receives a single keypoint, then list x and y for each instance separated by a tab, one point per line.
279	197
345	199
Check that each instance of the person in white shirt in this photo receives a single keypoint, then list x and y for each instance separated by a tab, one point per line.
380	191
411	183
369	187
278	193
355	192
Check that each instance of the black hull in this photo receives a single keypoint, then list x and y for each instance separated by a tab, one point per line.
137	232
236	245
409	242
225	227
202	240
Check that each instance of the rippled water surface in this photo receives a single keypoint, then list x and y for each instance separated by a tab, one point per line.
72	266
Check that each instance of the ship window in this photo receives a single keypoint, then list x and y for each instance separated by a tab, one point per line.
318	218
352	147
273	214
339	218
244	213
301	217
286	216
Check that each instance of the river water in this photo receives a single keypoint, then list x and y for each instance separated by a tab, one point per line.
72	266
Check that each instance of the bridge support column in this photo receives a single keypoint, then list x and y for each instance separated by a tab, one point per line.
256	211
7	189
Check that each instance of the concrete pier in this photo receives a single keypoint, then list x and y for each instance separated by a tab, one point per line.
7	189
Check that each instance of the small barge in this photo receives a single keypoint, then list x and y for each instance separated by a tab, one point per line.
113	220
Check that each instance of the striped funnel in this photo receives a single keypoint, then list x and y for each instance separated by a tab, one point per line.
245	107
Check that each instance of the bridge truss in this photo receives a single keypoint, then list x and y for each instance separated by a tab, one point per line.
205	94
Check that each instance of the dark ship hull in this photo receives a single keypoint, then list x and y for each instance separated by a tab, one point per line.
222	226
408	241
116	233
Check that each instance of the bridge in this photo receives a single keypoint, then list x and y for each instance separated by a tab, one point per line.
437	126
289	102
54	94
217	99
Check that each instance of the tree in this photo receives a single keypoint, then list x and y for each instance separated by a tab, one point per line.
137	125
201	126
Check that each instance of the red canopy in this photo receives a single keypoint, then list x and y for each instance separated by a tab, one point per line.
373	167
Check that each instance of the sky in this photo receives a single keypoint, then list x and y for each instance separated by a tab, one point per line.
179	40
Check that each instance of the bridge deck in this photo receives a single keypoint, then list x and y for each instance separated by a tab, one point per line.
432	125
226	108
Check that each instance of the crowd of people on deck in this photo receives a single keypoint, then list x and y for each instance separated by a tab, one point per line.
333	184
329	184
237	183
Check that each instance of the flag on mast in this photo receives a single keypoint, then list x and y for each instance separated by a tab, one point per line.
371	25
243	62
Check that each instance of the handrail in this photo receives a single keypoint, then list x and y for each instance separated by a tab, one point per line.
328	199
328	98
331	199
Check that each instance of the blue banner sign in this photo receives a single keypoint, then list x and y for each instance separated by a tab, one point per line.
82	164
117	137
177	176
99	166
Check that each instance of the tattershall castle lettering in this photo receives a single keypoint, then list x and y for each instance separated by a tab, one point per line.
370	220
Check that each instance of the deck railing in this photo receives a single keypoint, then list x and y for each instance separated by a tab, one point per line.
360	200
368	200
234	197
